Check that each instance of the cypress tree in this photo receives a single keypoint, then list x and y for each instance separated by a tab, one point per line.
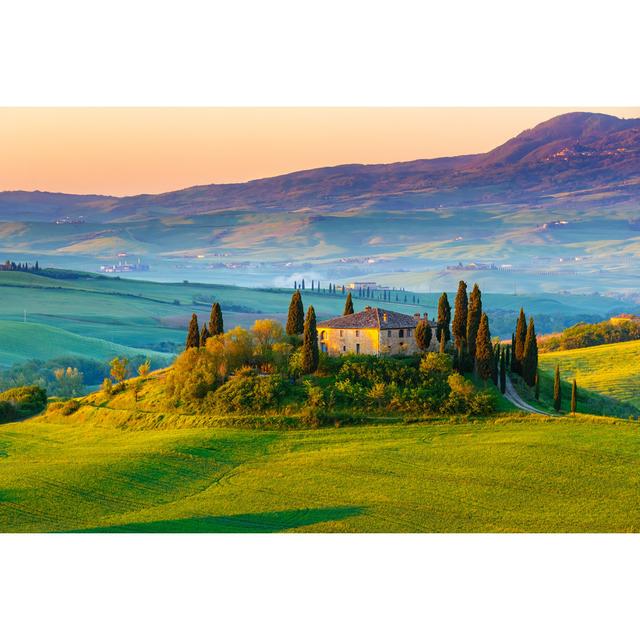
484	349
423	334
193	336
310	353
444	319
512	351
521	336
537	388
459	326
557	390
503	372
216	325
443	342
204	334
348	305
474	313
495	363
574	397
530	356
295	319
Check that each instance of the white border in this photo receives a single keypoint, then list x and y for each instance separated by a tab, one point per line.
461	53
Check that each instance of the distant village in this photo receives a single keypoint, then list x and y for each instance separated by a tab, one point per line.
123	266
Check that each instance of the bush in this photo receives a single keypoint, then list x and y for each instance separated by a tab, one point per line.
30	399
465	399
69	407
314	413
7	411
247	391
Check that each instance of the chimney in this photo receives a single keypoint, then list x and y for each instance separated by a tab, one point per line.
416	316
367	308
426	315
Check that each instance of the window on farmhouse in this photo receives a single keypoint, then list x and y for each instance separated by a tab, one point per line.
341	333
357	334
408	333
401	333
357	347
389	333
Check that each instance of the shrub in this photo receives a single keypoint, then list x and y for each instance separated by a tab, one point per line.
30	399
107	387
69	407
314	413
465	399
246	390
7	411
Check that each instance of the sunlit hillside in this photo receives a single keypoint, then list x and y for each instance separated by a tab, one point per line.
612	369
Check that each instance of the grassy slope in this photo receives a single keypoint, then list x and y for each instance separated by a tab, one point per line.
21	341
115	468
612	370
139	313
509	475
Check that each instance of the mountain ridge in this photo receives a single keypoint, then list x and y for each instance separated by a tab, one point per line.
572	151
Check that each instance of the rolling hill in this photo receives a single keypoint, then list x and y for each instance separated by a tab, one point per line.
612	370
556	202
20	341
187	473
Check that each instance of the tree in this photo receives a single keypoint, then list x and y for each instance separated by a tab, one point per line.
423	334
484	349
348	305
503	372
119	370
443	342
295	318
444	319
143	372
474	314
512	353
144	368
574	397
193	336
537	388
267	332
310	354
520	339
459	326
557	390
216	324
495	363
204	335
530	357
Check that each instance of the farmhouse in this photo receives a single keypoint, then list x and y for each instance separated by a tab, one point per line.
372	331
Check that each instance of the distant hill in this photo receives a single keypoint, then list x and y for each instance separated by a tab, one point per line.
553	209
571	151
622	328
21	341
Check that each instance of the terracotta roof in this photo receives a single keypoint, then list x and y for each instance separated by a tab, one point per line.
373	318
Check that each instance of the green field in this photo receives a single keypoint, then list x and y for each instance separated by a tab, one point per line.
109	469
25	340
612	370
154	315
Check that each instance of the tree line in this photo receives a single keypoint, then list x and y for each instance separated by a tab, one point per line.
9	265
399	296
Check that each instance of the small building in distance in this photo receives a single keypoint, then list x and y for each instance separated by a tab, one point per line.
373	331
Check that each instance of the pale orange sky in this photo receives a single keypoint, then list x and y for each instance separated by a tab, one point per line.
123	151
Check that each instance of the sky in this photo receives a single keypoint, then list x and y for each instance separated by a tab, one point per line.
126	151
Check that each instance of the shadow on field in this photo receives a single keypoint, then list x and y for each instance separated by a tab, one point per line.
269	522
